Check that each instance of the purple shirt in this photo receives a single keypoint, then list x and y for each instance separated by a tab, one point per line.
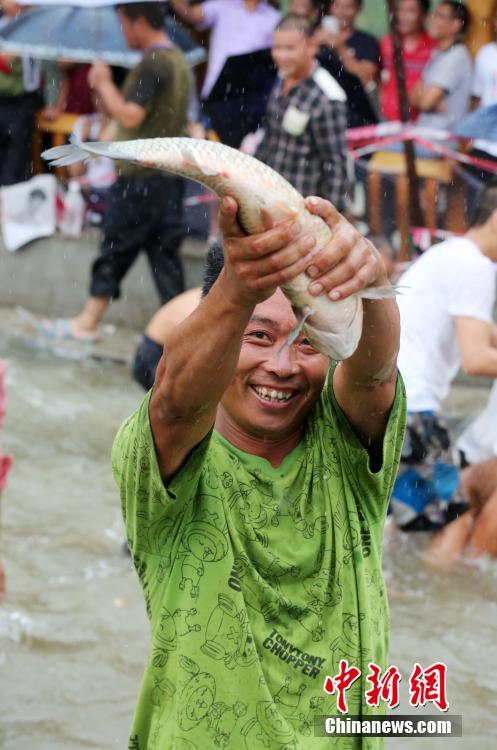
235	31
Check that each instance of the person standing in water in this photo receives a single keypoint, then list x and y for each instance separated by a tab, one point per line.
446	312
254	483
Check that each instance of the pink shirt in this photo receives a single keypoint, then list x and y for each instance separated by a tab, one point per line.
235	31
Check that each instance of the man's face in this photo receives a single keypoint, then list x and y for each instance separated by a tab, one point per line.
128	30
443	24
345	10
409	17
303	8
275	385
292	52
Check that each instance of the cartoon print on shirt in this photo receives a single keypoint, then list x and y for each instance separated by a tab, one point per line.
257	593
196	696
257	509
202	542
166	634
227	635
323	589
269	729
196	702
162	688
305	520
347	646
306	720
222	719
287	699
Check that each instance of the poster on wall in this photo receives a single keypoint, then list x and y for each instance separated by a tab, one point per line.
27	211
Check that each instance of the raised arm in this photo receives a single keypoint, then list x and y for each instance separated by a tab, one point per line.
188	12
126	113
201	354
365	383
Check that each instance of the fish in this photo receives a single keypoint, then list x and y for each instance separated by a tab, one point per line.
333	327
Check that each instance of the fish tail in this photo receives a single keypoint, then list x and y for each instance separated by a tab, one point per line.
62	156
387	291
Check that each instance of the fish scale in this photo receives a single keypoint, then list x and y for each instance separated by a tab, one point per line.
333	327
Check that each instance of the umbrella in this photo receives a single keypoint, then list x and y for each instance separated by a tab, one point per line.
482	123
83	34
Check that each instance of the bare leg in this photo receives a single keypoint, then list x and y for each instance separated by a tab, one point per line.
448	544
479	481
89	319
483	537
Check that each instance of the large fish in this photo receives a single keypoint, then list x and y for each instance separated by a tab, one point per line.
333	327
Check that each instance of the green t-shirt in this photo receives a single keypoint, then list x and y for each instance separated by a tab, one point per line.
257	582
160	84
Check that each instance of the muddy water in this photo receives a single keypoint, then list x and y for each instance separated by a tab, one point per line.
73	633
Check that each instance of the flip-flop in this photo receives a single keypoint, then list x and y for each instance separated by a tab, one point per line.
60	328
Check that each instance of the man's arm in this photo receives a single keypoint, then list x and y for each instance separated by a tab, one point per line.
188	12
426	98
329	128
477	346
201	354
366	70
128	114
365	383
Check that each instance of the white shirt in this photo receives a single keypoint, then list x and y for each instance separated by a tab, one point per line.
451	279
479	439
485	86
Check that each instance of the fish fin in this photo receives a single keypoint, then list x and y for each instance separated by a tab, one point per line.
62	156
190	159
267	219
301	314
387	291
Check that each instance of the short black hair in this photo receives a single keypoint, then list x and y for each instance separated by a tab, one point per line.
294	22
153	13
487	204
214	264
459	13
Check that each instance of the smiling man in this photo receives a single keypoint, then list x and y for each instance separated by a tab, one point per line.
254	484
306	118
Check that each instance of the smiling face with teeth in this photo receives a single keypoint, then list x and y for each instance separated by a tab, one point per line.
275	385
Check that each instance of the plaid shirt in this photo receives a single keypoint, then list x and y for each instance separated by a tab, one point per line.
305	141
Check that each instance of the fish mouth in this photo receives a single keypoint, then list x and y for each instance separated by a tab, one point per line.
274	396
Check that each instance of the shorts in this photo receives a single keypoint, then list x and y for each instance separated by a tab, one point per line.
426	494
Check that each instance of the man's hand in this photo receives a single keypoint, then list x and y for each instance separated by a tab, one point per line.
99	74
348	262
334	41
255	265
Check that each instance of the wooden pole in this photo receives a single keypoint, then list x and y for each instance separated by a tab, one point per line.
415	213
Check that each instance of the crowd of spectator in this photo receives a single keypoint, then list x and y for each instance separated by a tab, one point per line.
300	80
